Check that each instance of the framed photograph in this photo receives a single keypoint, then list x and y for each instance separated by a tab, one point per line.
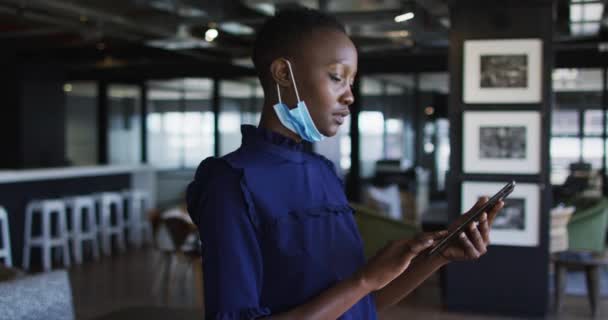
501	142
518	222
502	71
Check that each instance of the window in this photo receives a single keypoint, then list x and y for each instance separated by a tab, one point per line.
81	123
124	124
442	152
594	123
241	102
593	151
345	145
371	128
180	123
565	123
585	16
394	138
385	128
577	121
564	151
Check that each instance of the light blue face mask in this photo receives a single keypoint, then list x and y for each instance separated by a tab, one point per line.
297	119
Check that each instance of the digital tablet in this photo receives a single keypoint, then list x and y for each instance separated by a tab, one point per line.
500	195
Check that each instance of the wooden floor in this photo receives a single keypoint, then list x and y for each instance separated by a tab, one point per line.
127	287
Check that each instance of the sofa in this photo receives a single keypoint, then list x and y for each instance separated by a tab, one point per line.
43	296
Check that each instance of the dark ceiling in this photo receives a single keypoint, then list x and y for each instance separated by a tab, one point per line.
106	34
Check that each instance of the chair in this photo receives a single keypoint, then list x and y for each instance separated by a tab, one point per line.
83	213
177	240
5	239
560	216
376	231
586	251
587	228
111	221
46	240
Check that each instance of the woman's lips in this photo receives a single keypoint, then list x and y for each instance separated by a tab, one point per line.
339	119
339	115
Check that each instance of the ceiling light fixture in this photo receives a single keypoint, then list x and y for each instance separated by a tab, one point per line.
268	9
182	40
404	17
211	34
236	28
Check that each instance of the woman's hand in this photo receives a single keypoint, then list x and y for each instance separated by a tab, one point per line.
393	259
472	243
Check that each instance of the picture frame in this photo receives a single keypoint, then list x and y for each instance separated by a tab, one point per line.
502	71
507	142
518	223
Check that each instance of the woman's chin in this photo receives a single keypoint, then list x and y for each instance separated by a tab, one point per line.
330	130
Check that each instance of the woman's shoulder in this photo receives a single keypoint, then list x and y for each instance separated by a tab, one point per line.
214	175
213	168
215	180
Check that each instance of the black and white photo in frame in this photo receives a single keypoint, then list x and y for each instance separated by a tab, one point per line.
501	142
502	71
517	224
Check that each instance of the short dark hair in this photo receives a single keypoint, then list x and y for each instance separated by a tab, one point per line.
281	35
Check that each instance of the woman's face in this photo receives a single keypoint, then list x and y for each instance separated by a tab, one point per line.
324	70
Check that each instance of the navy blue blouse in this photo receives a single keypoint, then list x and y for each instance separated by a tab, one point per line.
276	229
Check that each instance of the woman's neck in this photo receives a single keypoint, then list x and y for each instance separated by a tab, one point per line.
270	121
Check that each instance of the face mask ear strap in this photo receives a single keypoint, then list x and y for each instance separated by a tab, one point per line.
279	94
293	80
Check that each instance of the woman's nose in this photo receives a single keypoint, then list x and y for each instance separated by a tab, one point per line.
347	98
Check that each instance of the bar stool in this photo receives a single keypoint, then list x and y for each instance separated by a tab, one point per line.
111	224
5	249
46	240
83	225
138	225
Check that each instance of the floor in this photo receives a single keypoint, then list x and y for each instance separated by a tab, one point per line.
128	287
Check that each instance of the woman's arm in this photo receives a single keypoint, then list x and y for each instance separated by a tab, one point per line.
471	245
421	269
390	262
331	303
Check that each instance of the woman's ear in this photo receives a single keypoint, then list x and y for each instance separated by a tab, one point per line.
279	71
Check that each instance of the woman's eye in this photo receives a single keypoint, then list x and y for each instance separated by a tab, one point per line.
335	78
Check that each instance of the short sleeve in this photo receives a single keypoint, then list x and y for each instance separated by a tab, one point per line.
232	260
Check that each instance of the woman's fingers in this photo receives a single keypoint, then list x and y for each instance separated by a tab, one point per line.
480	202
469	248
440	235
484	228
475	238
494	211
415	246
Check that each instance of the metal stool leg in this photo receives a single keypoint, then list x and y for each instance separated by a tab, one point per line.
560	285
29	211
